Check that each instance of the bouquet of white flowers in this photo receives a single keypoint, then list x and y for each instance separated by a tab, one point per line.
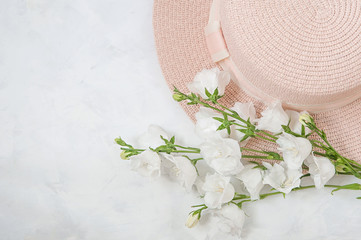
301	150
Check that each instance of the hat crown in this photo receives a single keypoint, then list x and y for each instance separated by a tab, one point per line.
300	51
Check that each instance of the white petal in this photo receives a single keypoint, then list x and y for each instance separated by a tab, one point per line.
295	124
206	126
218	190
252	179
223	155
272	118
245	110
281	178
152	137
206	79
321	170
223	80
180	169
231	219
147	163
294	149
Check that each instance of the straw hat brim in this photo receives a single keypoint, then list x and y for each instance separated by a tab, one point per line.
182	52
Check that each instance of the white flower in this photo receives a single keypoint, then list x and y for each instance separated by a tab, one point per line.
294	149
218	190
245	111
321	170
295	123
230	220
206	125
223	155
199	185
209	79
147	163
281	178
152	137
192	219
252	180
272	118
180	169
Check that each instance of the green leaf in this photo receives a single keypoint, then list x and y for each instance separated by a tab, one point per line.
241	202
215	92
218	119
287	129
289	121
259	165
164	139
172	140
221	127
121	142
245	137
207	92
303	130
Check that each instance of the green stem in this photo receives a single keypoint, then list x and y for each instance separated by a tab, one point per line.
319	146
261	157
232	114
230	110
305	175
320	154
324	138
264	138
184	151
200	205
263	196
240	125
189	148
251	150
268	134
132	149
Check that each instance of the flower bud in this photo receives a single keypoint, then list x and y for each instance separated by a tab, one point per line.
341	168
193	219
305	118
178	97
124	155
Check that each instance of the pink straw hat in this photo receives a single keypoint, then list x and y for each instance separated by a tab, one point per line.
304	53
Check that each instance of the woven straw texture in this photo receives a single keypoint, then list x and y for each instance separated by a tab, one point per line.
303	52
295	76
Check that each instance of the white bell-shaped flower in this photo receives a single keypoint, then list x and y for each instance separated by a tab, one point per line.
223	155
218	190
206	126
281	178
245	111
179	169
295	124
321	170
230	220
146	163
152	138
252	180
272	118
294	149
209	79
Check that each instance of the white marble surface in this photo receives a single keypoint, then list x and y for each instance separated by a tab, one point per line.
75	74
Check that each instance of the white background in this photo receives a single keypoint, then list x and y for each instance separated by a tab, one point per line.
75	74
